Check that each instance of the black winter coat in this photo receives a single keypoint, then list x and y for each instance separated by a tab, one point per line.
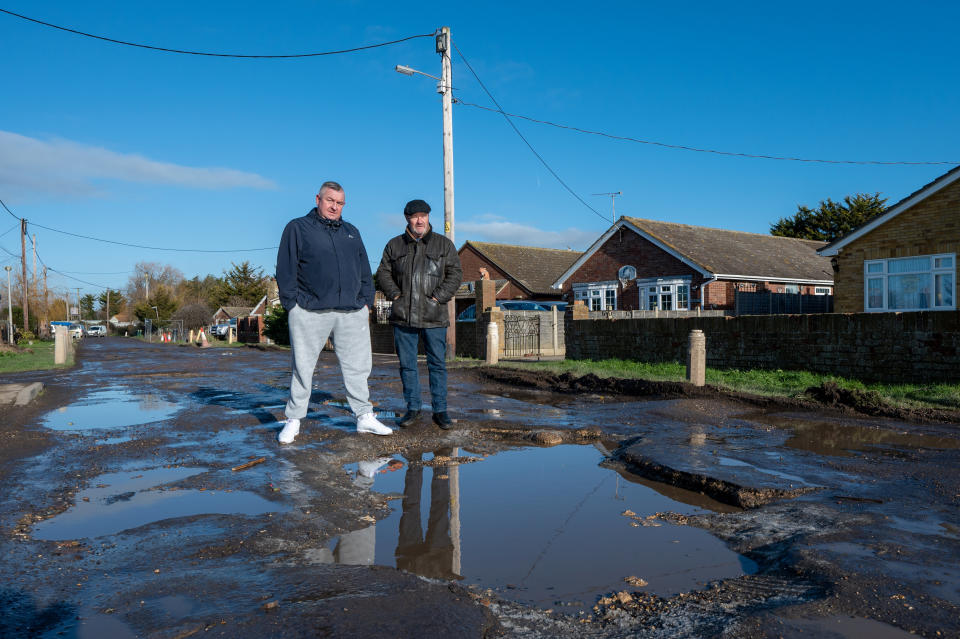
415	273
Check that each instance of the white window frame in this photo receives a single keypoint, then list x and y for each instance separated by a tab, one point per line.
596	295
881	273
663	289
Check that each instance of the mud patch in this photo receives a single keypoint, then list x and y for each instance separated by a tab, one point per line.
828	394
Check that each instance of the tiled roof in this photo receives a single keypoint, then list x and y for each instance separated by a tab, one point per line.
725	252
891	212
536	269
237	311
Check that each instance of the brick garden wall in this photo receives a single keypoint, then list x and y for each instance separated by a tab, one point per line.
917	347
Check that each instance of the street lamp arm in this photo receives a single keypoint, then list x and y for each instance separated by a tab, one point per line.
405	70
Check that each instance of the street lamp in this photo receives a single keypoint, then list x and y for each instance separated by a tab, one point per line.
445	89
9	307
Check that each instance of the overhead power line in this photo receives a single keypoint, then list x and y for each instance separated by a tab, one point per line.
213	54
141	246
681	147
525	141
154	248
61	273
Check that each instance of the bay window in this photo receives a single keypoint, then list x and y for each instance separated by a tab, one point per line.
924	282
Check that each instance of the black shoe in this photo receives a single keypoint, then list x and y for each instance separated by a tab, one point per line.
442	420
409	418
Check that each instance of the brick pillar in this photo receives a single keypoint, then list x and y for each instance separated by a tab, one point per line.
486	292
575	311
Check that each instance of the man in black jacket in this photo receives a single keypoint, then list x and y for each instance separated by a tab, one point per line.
325	283
420	271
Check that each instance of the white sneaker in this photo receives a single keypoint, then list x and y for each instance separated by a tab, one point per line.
368	423
369	468
290	431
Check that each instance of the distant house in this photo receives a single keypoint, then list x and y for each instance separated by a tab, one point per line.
521	272
122	319
227	313
905	259
640	264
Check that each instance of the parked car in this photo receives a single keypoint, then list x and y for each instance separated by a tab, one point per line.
220	330
560	306
97	330
469	314
76	330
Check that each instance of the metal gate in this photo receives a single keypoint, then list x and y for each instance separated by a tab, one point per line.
521	334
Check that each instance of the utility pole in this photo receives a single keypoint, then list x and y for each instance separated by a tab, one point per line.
46	291
79	308
445	88
23	264
146	278
106	313
9	307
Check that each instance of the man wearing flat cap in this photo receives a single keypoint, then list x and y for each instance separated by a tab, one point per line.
420	271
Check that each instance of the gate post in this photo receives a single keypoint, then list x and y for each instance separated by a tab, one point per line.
61	342
697	358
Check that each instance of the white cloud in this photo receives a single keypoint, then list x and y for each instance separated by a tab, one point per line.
70	168
493	228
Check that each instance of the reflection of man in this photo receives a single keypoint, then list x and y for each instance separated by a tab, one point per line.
420	271
357	547
430	556
325	283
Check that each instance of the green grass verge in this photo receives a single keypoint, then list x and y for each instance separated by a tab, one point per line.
41	358
758	382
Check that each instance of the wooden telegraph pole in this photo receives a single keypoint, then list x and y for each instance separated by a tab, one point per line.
23	264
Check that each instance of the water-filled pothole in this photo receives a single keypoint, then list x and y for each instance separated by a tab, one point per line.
538	525
126	500
110	408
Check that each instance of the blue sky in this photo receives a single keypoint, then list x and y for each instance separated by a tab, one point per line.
196	152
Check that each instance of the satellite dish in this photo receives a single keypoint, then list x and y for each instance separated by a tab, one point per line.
626	274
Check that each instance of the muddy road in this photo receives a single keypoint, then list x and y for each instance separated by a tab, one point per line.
145	496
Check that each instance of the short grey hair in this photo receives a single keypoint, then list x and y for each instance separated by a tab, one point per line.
333	186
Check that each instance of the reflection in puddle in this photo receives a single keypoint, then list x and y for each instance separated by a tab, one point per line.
121	501
541	525
825	438
110	408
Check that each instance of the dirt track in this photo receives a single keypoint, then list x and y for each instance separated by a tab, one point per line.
850	520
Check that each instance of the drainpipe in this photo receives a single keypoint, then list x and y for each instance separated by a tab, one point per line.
703	287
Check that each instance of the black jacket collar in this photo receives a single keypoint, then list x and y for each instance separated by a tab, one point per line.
334	224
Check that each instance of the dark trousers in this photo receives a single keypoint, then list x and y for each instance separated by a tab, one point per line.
406	340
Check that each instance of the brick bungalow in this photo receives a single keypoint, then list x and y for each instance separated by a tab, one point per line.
226	313
645	265
521	272
905	259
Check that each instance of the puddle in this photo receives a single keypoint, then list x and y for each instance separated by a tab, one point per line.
840	440
125	500
538	525
110	408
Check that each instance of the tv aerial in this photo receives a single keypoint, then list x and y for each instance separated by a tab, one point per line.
613	201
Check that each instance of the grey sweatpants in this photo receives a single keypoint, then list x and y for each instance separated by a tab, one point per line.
309	331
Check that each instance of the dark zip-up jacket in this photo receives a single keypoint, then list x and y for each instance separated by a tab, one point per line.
415	273
323	265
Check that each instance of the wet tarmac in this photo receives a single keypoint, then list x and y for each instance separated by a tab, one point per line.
146	496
